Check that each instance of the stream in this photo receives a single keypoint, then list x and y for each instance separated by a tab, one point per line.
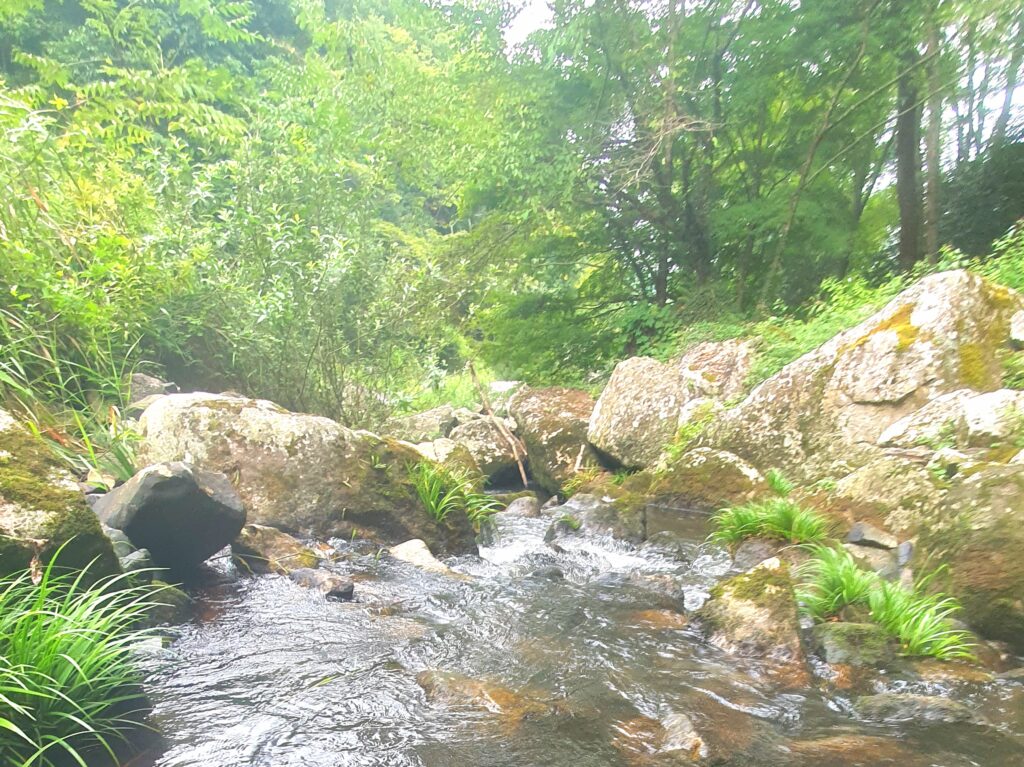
524	669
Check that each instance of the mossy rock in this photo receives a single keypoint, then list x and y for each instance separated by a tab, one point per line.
702	478
854	644
42	510
977	534
754	614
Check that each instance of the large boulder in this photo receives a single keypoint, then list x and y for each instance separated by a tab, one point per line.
637	414
300	473
977	531
819	414
644	404
552	423
42	510
720	367
182	514
962	419
489	445
427	426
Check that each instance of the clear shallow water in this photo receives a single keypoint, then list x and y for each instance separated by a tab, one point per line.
529	671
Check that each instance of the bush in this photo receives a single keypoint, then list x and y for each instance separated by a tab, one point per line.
68	686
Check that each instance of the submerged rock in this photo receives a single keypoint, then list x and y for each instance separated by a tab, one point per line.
264	549
43	511
181	513
330	585
526	506
921	709
553	423
416	552
300	473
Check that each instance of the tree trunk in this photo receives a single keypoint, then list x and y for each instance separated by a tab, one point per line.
933	138
908	164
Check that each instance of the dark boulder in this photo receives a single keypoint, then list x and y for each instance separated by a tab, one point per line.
180	513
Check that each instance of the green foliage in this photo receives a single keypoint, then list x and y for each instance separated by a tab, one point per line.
68	684
778	483
689	432
581	479
444	490
778	518
831	581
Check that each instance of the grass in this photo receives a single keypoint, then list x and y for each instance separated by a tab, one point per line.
68	685
443	490
582	478
921	622
778	518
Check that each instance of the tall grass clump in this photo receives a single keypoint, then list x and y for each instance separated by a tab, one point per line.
443	490
68	684
778	518
921	622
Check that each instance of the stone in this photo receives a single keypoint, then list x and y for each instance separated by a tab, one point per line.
962	419
264	549
977	533
720	367
904	553
753	551
490	448
42	510
549	573
994	418
528	506
820	415
141	386
881	561
553	424
512	708
602	514
137	561
181	513
854	644
416	553
303	474
703	478
561	528
170	606
937	423
866	534
330	585
682	738
902	490
755	615
427	426
670	545
920	709
637	415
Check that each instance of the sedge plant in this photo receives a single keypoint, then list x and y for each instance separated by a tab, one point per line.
831	581
68	682
443	490
777	518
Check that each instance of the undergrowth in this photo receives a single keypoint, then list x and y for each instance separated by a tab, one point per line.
831	581
444	490
68	684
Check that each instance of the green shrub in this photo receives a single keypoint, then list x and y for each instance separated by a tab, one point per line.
778	518
832	581
68	685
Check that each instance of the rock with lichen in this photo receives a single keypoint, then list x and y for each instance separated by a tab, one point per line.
977	533
754	615
552	423
489	445
303	474
821	414
43	511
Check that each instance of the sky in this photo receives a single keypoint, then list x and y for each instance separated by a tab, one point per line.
535	14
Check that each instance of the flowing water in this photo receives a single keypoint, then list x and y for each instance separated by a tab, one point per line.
523	669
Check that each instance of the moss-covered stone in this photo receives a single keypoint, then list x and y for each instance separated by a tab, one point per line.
854	644
42	510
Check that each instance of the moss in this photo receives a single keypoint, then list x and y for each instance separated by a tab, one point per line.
972	366
761	584
24	476
899	322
